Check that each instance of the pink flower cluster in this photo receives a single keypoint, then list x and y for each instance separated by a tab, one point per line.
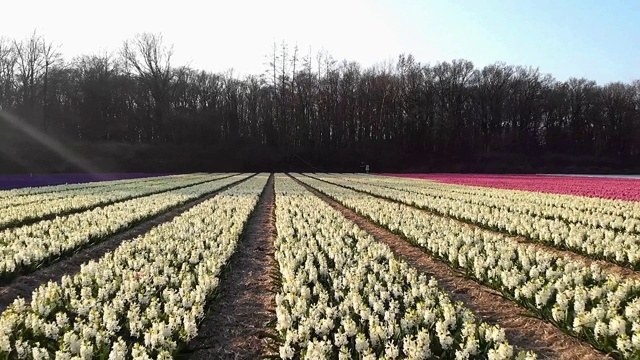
603	187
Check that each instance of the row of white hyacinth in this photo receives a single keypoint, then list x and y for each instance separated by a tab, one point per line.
345	296
142	301
26	191
596	305
81	189
618	215
90	198
24	248
599	243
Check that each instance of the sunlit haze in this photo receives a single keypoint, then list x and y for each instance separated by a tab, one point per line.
593	39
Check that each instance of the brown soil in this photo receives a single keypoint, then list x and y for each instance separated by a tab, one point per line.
246	304
522	330
23	286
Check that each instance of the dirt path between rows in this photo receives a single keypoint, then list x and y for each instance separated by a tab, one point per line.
522	330
23	285
246	303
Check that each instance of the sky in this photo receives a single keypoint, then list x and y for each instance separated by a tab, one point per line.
598	40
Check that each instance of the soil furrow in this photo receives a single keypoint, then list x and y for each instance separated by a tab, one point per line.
522	329
23	285
245	305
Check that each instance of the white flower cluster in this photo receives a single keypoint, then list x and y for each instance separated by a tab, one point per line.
24	248
26	191
345	296
618	215
44	193
142	301
83	199
592	236
594	304
615	214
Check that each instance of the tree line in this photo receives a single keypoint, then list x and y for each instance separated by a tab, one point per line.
316	107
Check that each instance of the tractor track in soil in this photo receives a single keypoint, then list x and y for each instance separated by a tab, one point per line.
239	316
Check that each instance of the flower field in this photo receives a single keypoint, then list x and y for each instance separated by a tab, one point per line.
23	181
17	211
27	246
150	291
344	295
343	283
604	229
623	188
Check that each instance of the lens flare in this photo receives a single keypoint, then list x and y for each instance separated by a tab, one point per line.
45	140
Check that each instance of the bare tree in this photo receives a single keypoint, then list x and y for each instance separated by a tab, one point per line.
96	95
31	64
50	58
7	72
151	59
491	98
